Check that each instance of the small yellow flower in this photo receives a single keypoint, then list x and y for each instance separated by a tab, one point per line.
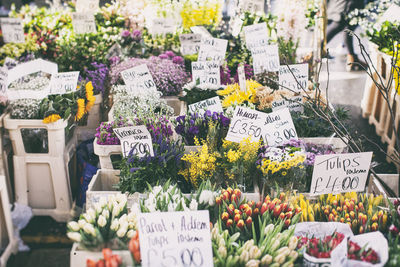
51	118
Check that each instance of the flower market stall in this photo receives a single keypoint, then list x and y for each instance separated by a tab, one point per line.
196	133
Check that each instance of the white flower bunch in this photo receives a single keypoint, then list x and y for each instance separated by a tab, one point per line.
193	84
135	104
167	198
292	20
106	222
37	81
25	108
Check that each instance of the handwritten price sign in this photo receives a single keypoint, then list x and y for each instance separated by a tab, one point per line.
138	78
265	58
245	122
12	29
135	138
294	77
294	104
83	23
175	239
207	72
212	104
278	128
340	173
64	82
190	43
213	49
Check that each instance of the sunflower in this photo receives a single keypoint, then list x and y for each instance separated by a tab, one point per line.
89	90
51	118
81	109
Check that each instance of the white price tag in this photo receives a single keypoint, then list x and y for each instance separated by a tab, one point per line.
265	59
138	78
190	43
339	173
392	14
295	78
294	104
136	138
213	49
256	35
175	239
212	104
12	30
278	128
64	82
242	78
252	6
83	6
201	30
207	72
245	122
162	26
83	23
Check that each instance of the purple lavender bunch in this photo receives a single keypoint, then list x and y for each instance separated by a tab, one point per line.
168	76
159	127
97	73
195	125
105	134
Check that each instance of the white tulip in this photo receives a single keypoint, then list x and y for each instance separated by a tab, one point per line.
114	225
193	204
88	218
81	223
74	236
98	208
92	213
205	196
74	226
89	229
116	210
101	221
130	233
106	213
121	232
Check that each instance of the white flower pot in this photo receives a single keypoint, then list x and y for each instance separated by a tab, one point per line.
175	103
93	121
104	153
8	241
337	144
79	256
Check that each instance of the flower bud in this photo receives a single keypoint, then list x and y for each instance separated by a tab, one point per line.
121	232
293	255
240	224
130	233
106	214
280	259
254	252
92	213
74	226
275	244
293	243
249	221
283	250
268	229
222	252
229	222
244	257
252	263
74	236
266	260
248	244
114	225
101	221
81	223
89	229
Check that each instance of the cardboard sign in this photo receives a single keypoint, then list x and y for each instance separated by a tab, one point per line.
265	59
252	6
294	104
213	49
63	82
245	122
294	77
201	30
212	104
83	6
175	239
136	138
138	78
161	26
83	23
339	173
207	72
190	43
278	128
392	14
115	50
242	78
12	30
256	35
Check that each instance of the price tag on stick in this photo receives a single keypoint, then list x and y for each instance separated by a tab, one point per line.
138	78
294	104
207	72
295	78
175	239
212	104
64	82
242	78
213	49
12	30
278	128
340	173
136	138
245	122
190	43
83	23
